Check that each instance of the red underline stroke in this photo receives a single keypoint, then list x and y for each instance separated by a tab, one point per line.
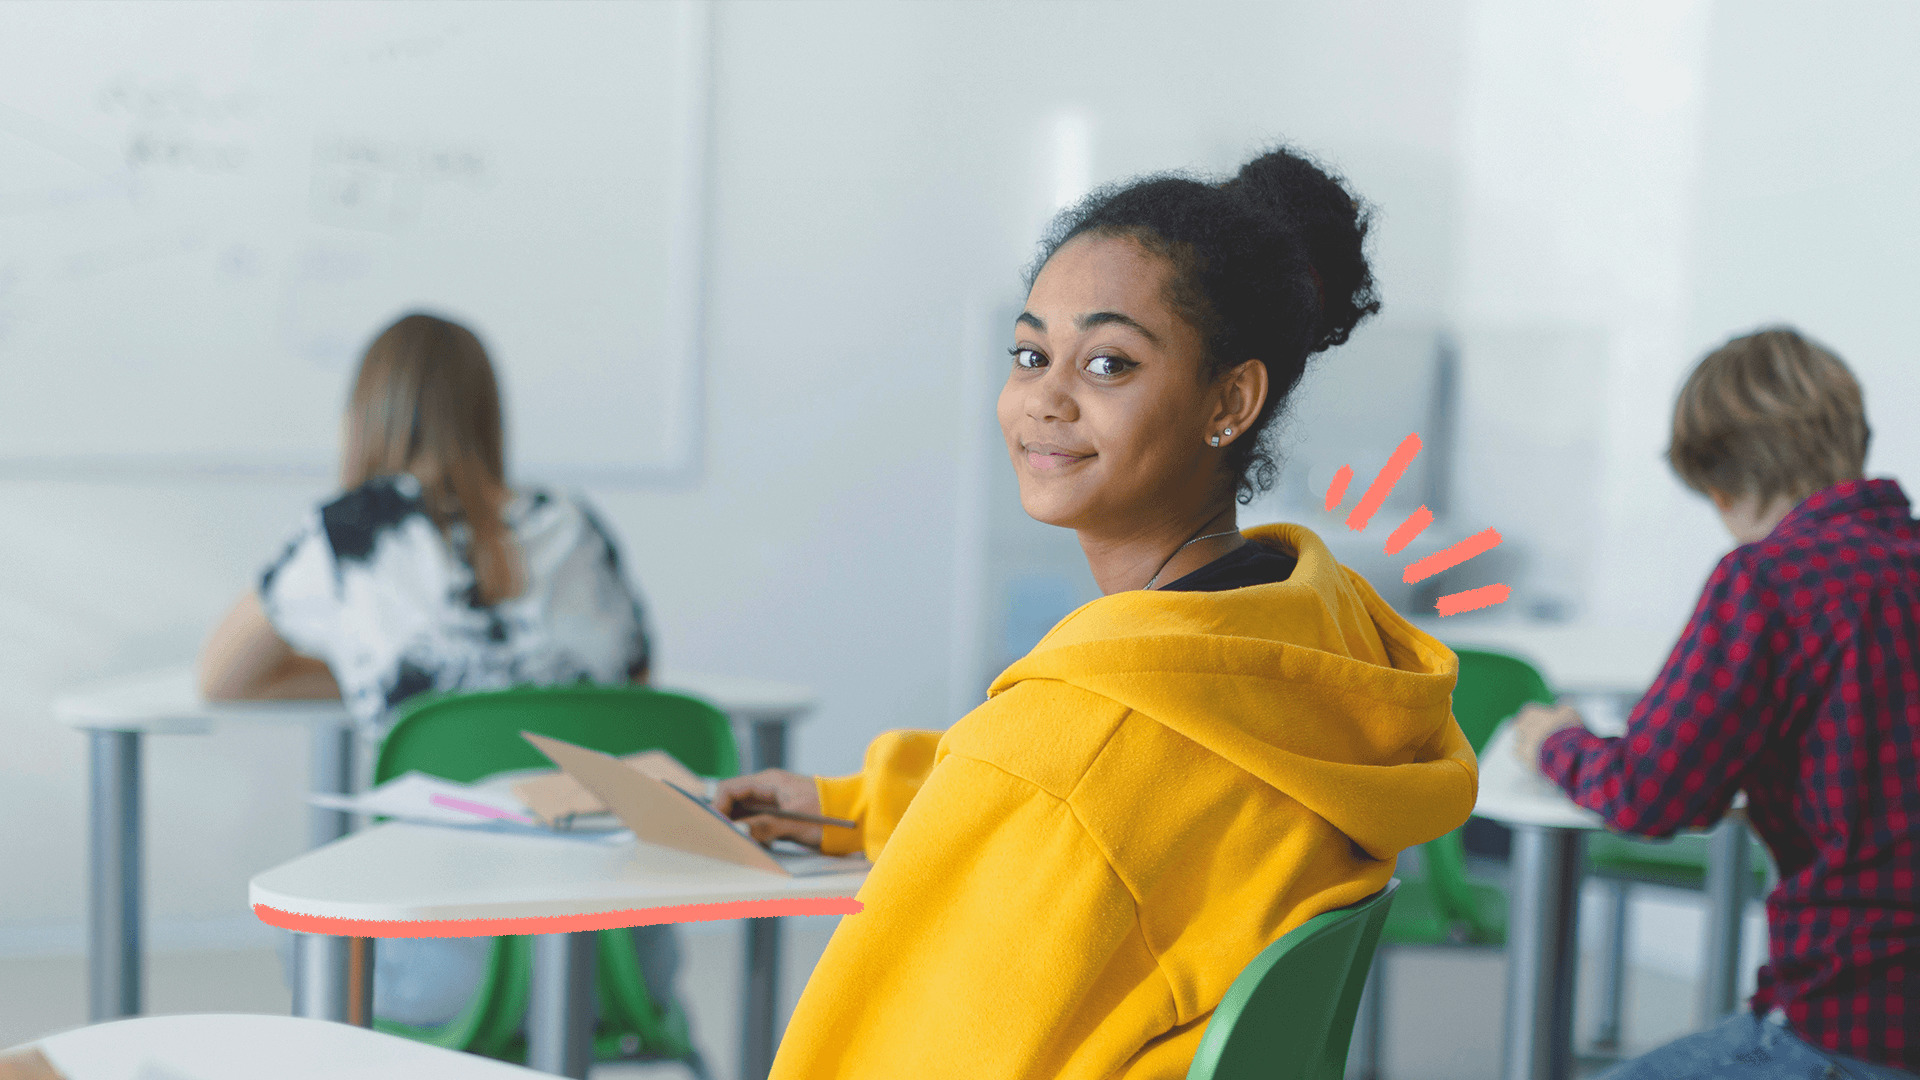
555	924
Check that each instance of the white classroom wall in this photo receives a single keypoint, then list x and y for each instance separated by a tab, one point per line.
879	174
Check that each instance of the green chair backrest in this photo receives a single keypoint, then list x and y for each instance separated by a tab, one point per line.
1289	1015
467	736
1492	687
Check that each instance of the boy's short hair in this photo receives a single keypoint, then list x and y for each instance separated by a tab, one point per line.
1770	414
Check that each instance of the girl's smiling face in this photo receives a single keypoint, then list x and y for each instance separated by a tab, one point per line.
1108	412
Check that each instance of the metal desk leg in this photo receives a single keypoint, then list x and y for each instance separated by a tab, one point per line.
560	1010
769	749
113	887
1729	877
1613	969
330	773
757	1037
333	978
1542	950
759	1028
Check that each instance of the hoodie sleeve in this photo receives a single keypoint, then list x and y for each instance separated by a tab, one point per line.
996	941
897	764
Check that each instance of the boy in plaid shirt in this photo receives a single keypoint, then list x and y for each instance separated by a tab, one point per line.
1798	681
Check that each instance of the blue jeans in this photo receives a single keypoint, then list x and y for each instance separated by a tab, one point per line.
431	980
1746	1047
427	981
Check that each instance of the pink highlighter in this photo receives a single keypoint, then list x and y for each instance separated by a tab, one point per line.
481	809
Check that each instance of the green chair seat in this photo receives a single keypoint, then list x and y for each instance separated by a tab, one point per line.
1442	904
1417	916
466	737
1679	863
1420	917
1289	1014
1491	688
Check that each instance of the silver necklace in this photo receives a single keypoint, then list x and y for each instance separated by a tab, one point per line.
1181	548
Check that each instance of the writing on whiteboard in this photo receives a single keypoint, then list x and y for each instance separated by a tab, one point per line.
366	182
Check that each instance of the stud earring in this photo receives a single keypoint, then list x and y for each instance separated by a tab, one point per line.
1215	440
1227	434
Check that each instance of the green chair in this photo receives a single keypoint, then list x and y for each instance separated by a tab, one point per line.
1619	863
1439	904
469	736
1289	1014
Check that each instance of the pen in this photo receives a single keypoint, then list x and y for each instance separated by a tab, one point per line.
745	810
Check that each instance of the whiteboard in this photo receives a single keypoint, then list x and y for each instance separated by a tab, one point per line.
208	210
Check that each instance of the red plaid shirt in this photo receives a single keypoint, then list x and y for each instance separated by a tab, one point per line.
1798	680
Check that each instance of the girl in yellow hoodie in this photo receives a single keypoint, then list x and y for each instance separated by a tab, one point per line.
1238	736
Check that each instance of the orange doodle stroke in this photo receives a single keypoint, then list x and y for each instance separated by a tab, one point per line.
1415	524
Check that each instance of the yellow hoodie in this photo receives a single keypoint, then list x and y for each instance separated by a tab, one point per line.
1066	881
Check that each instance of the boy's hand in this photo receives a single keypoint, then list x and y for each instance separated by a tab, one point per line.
736	798
1535	723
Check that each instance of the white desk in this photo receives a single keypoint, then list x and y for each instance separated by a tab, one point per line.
251	1047
117	714
403	880
1547	867
1543	914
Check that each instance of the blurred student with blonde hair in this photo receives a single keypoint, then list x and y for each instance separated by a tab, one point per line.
1798	682
429	572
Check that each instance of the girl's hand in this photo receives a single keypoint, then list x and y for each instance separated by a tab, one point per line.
1535	723
737	797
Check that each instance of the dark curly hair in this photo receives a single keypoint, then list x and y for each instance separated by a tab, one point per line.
1267	265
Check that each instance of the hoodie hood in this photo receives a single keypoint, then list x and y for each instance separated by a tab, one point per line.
1313	685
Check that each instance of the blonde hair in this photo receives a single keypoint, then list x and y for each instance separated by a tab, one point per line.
1771	415
425	402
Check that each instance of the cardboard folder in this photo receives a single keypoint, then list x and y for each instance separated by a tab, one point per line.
557	798
656	811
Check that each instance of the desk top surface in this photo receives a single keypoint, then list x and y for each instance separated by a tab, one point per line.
407	880
166	702
241	1047
1513	794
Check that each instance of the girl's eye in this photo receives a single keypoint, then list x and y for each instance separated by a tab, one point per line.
1029	359
1108	367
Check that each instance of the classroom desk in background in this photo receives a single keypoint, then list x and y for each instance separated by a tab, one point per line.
1543	913
1603	670
250	1047
406	880
1547	867
118	714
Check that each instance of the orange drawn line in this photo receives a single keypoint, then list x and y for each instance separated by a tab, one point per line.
1338	489
1383	482
1477	544
1472	599
554	924
1415	524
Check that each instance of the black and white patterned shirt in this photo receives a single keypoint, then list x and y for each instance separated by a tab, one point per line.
372	587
